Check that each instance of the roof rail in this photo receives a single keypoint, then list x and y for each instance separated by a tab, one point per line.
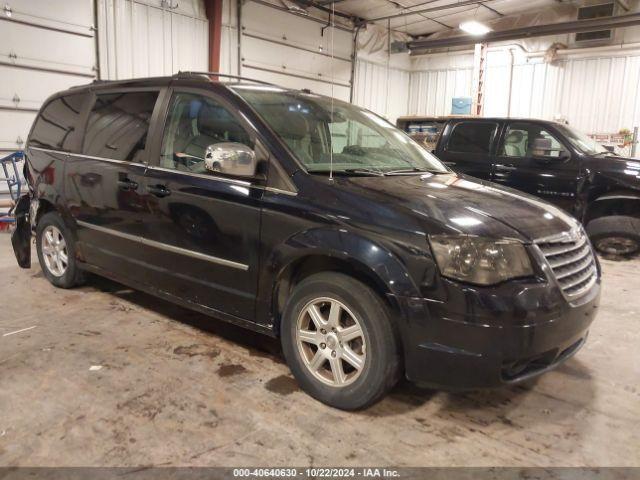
224	75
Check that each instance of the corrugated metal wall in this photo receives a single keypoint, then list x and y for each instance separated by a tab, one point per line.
382	89
597	94
139	38
431	91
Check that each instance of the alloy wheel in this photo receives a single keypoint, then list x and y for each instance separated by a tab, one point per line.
54	251
331	341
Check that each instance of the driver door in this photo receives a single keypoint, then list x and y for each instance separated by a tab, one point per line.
531	159
205	226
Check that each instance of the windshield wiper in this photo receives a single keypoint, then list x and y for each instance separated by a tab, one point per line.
366	171
413	170
356	171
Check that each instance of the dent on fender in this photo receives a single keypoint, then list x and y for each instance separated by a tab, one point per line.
349	246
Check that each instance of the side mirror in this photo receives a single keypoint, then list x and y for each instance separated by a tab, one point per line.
230	158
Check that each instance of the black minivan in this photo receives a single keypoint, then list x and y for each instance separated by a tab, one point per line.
557	163
307	219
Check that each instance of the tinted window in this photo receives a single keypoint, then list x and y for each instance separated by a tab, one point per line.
472	137
118	125
56	124
194	122
530	140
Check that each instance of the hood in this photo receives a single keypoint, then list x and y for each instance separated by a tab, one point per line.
626	171
454	203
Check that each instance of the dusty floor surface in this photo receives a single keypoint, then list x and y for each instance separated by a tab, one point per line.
179	388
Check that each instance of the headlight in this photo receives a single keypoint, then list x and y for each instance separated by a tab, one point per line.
479	260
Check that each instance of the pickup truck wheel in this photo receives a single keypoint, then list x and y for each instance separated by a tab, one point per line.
615	235
339	341
57	252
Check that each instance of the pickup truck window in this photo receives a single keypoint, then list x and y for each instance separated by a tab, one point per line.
528	140
472	137
118	125
194	122
581	141
56	123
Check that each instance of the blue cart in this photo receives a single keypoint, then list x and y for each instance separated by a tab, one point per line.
11	174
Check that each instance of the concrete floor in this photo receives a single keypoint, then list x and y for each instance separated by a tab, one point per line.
178	388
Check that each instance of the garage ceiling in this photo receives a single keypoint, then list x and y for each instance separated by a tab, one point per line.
434	15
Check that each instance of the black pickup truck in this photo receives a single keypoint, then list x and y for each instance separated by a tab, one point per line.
556	163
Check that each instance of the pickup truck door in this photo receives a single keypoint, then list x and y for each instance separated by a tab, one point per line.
531	158
467	147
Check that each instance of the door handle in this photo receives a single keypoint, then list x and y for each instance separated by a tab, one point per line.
450	164
159	190
499	166
127	185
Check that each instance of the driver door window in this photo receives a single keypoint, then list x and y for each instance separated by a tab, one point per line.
195	122
523	140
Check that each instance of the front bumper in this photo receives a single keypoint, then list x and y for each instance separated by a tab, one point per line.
490	337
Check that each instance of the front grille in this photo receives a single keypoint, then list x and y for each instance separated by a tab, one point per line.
572	262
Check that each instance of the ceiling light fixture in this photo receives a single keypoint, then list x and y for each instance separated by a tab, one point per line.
474	28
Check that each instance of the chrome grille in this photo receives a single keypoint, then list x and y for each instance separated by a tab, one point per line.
571	260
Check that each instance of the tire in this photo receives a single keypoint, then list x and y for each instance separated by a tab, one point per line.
615	235
375	344
60	266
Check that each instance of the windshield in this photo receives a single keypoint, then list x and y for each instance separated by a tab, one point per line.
359	141
581	141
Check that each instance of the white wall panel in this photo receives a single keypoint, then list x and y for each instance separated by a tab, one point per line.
431	91
138	38
597	93
382	90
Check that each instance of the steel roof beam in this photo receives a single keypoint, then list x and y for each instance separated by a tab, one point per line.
425	10
574	26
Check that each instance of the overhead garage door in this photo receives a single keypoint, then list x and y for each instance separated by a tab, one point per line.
42	50
294	51
46	47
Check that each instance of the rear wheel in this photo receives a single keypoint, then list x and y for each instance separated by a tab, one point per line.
615	235
57	252
339	342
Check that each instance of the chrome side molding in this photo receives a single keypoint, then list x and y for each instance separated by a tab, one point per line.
165	246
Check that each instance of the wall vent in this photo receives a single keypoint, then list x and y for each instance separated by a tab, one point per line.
595	11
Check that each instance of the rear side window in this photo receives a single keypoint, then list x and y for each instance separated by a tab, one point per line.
119	124
471	137
58	122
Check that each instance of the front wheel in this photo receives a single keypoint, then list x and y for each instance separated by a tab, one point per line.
339	341
615	235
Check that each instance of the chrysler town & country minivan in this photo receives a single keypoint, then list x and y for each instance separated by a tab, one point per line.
310	220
